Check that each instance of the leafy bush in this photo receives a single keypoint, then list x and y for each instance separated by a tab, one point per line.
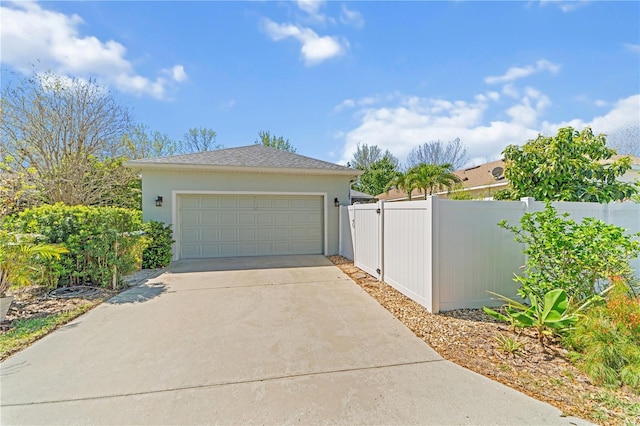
547	315
606	341
104	243
158	253
576	257
21	258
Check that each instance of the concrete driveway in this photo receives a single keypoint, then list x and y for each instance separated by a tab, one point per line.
276	340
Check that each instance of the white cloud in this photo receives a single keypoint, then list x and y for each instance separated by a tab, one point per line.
312	8
625	113
347	103
228	104
315	48
411	120
178	74
564	5
601	103
635	48
351	17
511	91
516	73
31	33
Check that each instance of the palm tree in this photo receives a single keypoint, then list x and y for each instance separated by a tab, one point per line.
430	178
19	255
402	182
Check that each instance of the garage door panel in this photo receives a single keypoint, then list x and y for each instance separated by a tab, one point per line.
228	250
264	203
247	218
299	233
189	251
190	202
190	218
265	233
264	217
228	218
246	203
281	218
246	225
210	250
245	249
247	234
209	234
228	202
281	233
209	203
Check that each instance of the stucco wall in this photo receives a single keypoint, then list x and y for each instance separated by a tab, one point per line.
163	183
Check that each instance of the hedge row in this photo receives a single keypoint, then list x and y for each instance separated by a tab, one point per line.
104	243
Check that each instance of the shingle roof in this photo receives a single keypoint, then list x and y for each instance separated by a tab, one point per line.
257	157
471	177
481	176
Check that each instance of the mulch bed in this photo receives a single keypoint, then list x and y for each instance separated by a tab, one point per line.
468	338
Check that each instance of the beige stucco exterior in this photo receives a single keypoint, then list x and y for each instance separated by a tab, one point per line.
170	183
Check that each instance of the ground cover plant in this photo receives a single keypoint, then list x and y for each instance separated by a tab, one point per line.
474	340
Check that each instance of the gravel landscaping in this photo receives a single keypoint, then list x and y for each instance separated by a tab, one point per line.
468	338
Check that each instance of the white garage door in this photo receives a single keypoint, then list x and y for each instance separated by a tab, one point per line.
249	225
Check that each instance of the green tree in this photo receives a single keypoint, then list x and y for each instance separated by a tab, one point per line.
273	141
402	182
566	167
55	131
430	178
376	178
200	139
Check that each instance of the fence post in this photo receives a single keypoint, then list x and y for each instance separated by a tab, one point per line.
435	253
381	242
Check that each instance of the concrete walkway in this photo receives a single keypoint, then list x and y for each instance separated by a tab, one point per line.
276	340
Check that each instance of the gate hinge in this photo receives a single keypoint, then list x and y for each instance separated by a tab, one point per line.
378	271
378	211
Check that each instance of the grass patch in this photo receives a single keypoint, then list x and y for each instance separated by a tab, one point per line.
627	411
27	331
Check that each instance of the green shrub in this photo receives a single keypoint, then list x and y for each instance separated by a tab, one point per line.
576	257
158	253
548	316
104	243
606	341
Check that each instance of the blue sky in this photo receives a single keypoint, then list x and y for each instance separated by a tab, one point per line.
331	74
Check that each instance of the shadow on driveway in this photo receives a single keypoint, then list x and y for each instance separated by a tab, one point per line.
247	263
139	294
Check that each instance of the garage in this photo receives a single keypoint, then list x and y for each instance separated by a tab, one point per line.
246	201
249	225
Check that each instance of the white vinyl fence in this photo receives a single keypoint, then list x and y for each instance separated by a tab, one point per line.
447	254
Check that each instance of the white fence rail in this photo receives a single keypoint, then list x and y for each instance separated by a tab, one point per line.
447	254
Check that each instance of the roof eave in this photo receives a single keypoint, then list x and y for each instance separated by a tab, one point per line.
241	169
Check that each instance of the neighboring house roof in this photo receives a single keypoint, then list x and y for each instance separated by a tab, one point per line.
491	176
471	178
253	158
360	196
